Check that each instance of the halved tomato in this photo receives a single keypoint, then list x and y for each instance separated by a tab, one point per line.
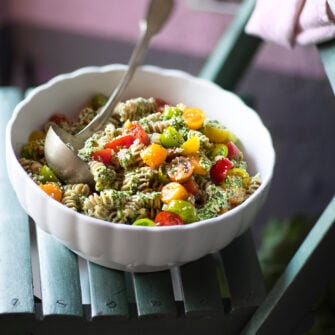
220	169
102	155
165	218
179	169
136	130
118	143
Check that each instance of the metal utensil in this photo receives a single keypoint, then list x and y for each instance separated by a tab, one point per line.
61	147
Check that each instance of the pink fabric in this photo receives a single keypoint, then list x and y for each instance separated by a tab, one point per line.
291	22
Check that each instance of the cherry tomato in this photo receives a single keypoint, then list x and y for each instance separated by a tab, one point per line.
183	208
144	222
102	155
53	190
136	130
233	150
194	117
180	169
192	186
59	118
220	169
154	155
160	105
168	219
173	191
171	138
47	175
118	143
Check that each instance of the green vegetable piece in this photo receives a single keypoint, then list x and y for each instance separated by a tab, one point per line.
98	101
171	112
183	208
219	150
144	222
46	175
171	138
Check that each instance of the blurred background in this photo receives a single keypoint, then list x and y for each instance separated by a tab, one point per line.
42	38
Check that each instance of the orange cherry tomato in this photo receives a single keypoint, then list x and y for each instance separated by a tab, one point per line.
53	190
154	155
173	191
166	218
179	169
193	117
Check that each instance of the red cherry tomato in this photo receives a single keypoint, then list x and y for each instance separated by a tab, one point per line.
59	118
191	186
118	143
160	104
136	130
220	169
233	150
179	169
102	155
168	219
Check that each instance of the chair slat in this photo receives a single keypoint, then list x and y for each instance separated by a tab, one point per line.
154	294
243	273
16	290
327	52
200	286
108	292
60	283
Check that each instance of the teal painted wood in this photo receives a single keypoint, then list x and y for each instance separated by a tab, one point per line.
201	288
289	304
108	292
233	52
243	273
327	52
154	295
16	290
60	283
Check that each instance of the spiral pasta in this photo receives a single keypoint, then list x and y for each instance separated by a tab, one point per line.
148	160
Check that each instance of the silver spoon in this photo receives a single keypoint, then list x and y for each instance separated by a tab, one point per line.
61	147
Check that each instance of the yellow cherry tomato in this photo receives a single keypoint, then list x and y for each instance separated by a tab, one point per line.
154	155
191	146
193	117
241	173
53	190
173	191
217	134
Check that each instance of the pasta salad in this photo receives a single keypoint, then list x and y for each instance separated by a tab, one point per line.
154	164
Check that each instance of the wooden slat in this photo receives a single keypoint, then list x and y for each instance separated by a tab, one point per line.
60	283
200	287
16	291
327	52
108	292
233	52
289	304
154	295
243	273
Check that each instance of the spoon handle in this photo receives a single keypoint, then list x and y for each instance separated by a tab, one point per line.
157	14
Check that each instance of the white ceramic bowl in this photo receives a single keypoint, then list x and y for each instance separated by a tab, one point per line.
127	247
